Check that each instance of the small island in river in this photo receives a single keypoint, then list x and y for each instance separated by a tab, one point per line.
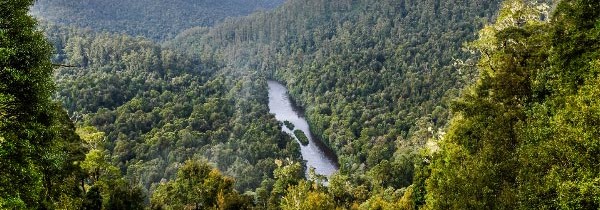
289	125
301	137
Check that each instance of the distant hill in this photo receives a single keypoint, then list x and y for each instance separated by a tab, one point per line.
155	19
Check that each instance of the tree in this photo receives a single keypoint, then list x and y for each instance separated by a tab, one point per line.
106	187
61	164
125	196
198	186
305	196
533	146
38	147
93	199
559	152
477	166
285	176
97	161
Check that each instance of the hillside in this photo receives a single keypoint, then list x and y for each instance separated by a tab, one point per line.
159	108
431	104
525	132
374	84
157	20
38	144
375	77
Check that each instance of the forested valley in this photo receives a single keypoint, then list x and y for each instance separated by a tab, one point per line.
436	104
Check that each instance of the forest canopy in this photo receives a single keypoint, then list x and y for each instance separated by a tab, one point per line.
153	19
436	104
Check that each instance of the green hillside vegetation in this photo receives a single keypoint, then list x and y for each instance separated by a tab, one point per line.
154	19
45	163
199	186
422	111
301	136
526	131
375	77
159	108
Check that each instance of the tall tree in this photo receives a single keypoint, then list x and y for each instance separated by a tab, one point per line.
477	166
35	136
526	135
198	186
560	152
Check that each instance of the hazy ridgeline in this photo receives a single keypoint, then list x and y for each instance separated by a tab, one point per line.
153	19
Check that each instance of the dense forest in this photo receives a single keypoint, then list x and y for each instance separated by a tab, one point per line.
525	134
376	86
159	108
154	19
427	104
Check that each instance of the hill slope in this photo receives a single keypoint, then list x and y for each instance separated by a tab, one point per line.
525	134
375	77
159	108
157	20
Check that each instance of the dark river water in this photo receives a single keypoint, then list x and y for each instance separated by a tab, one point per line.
315	153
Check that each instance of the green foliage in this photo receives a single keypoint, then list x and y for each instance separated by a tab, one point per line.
39	150
289	125
476	165
93	199
287	175
61	163
106	187
301	136
24	94
158	107
524	134
382	202
368	73
305	196
124	196
375	78
156	20
96	163
559	151
198	186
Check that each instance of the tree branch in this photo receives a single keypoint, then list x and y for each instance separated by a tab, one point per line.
63	65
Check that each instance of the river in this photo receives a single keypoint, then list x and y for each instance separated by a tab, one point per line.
316	154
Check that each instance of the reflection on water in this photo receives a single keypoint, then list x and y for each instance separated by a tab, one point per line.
315	153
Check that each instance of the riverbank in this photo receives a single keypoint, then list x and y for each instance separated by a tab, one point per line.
315	153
